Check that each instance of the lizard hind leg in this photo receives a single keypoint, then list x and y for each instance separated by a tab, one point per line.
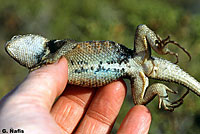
142	94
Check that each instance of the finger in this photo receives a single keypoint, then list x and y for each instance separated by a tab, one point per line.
31	100
137	121
103	109
43	85
71	106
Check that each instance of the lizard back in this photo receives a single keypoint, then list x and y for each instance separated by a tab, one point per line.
97	63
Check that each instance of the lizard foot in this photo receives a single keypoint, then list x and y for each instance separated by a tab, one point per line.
162	47
169	106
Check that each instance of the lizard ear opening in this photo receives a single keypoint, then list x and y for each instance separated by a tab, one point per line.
27	50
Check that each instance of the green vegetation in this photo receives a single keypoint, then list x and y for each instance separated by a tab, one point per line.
110	20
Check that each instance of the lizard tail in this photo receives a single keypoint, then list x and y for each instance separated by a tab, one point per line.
165	70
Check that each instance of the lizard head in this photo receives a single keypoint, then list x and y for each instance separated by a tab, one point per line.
27	50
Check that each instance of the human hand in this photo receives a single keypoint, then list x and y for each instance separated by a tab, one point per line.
30	106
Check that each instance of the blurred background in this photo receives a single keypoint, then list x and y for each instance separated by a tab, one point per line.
111	20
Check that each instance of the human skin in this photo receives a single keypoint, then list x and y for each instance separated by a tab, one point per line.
31	106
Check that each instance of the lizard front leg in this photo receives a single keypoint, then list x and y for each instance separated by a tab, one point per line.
142	94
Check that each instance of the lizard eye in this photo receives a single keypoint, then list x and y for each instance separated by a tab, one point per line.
27	50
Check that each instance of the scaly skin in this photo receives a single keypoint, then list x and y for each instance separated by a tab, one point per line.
97	63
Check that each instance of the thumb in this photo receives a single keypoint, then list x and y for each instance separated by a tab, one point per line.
41	86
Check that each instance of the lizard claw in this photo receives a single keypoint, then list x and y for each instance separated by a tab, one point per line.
182	97
171	91
169	106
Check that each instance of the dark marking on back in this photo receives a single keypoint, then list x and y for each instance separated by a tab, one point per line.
72	62
92	68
